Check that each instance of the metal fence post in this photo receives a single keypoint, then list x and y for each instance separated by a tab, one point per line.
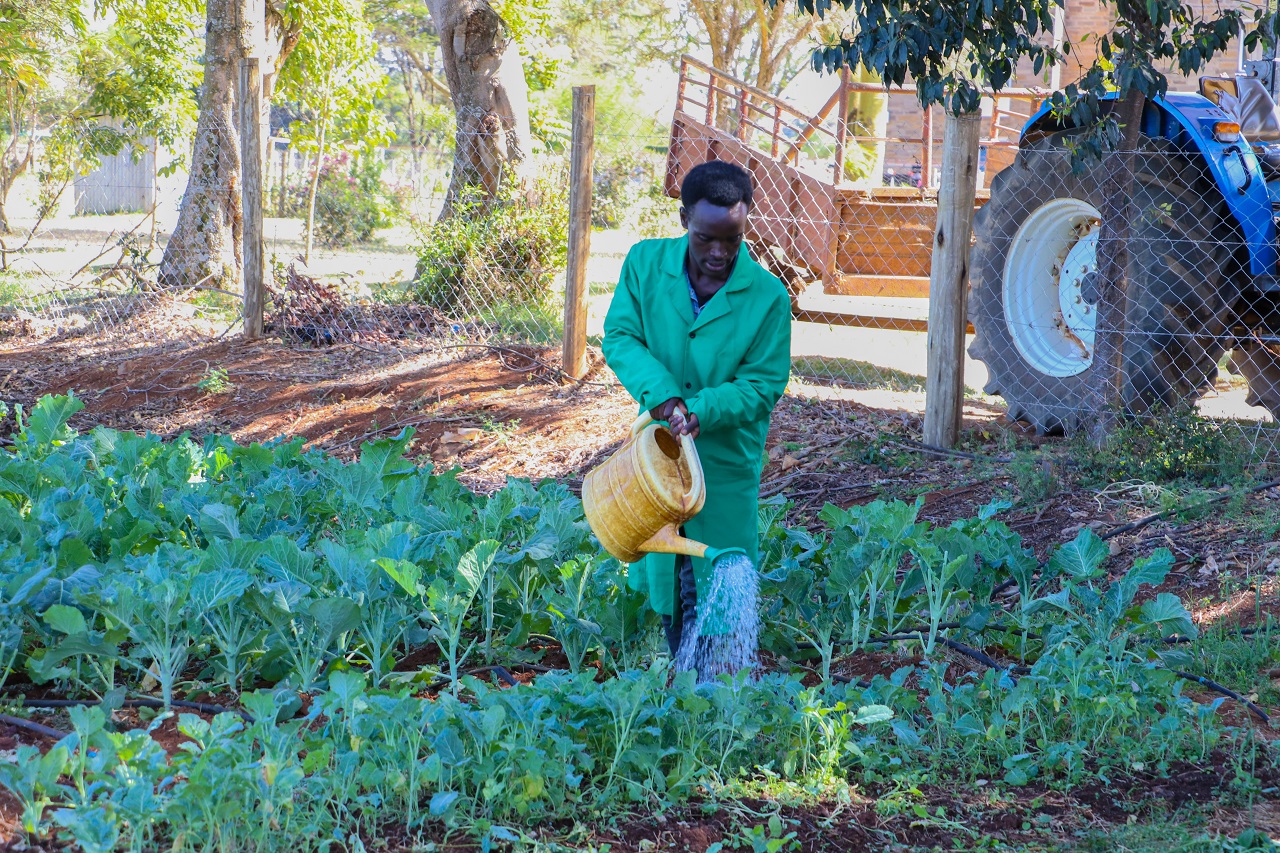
575	284
949	278
251	191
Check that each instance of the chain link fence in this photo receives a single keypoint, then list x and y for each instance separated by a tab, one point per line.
846	200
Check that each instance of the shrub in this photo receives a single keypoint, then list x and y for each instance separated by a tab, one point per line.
348	200
627	192
494	252
1165	446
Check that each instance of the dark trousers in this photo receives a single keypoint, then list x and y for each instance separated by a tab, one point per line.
686	604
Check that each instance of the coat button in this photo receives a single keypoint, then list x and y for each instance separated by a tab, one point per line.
688	384
692	335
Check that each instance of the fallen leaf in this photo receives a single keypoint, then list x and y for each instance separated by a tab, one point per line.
789	462
149	678
466	435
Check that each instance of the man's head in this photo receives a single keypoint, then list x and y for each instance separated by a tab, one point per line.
715	199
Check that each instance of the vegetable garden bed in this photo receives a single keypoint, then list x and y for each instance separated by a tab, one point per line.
927	683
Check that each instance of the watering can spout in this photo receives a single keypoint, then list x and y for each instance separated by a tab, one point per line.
668	541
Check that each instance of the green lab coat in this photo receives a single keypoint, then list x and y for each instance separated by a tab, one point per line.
730	366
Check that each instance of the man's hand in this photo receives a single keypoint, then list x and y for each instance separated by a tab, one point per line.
663	411
676	413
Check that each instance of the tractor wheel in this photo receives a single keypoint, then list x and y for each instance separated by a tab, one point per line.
1033	296
1259	363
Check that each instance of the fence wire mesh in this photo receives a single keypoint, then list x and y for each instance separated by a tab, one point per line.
359	253
1198	325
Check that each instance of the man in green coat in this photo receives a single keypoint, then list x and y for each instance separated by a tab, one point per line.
700	335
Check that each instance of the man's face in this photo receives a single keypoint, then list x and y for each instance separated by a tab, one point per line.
715	234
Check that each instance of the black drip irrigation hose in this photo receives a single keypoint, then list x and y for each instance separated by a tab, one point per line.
1225	691
502	672
19	723
1176	639
137	703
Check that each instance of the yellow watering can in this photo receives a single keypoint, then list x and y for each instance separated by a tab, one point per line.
636	500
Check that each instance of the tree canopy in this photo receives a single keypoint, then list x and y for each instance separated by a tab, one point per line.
949	49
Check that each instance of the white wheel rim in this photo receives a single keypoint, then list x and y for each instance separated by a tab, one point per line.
1050	320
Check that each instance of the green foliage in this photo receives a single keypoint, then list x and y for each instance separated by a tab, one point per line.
950	50
215	566
215	381
1144	38
350	200
1035	476
491	253
627	192
1169	446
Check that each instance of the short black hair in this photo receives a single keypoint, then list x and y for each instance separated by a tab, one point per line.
720	183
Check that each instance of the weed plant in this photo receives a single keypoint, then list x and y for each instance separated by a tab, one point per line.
1167	446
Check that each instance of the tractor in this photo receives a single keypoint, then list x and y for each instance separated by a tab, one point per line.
1202	274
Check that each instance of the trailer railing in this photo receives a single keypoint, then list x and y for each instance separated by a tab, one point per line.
771	123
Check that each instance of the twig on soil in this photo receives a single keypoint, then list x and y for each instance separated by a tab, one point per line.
401	425
921	447
772	487
19	723
556	370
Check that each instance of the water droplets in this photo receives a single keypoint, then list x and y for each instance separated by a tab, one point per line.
725	637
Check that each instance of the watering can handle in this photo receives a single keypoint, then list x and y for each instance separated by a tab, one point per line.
690	499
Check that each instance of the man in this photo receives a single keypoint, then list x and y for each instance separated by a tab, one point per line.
700	335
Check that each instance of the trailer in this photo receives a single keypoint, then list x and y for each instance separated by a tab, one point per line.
811	222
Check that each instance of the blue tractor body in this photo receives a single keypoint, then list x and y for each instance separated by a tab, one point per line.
1186	119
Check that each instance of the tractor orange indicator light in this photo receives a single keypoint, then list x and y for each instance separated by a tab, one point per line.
1226	131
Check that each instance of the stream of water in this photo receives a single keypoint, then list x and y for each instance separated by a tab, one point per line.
732	604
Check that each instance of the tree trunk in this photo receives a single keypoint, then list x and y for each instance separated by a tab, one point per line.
1106	378
205	246
315	185
13	166
490	97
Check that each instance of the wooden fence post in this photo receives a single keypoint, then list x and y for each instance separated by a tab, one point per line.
574	356
251	197
949	279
